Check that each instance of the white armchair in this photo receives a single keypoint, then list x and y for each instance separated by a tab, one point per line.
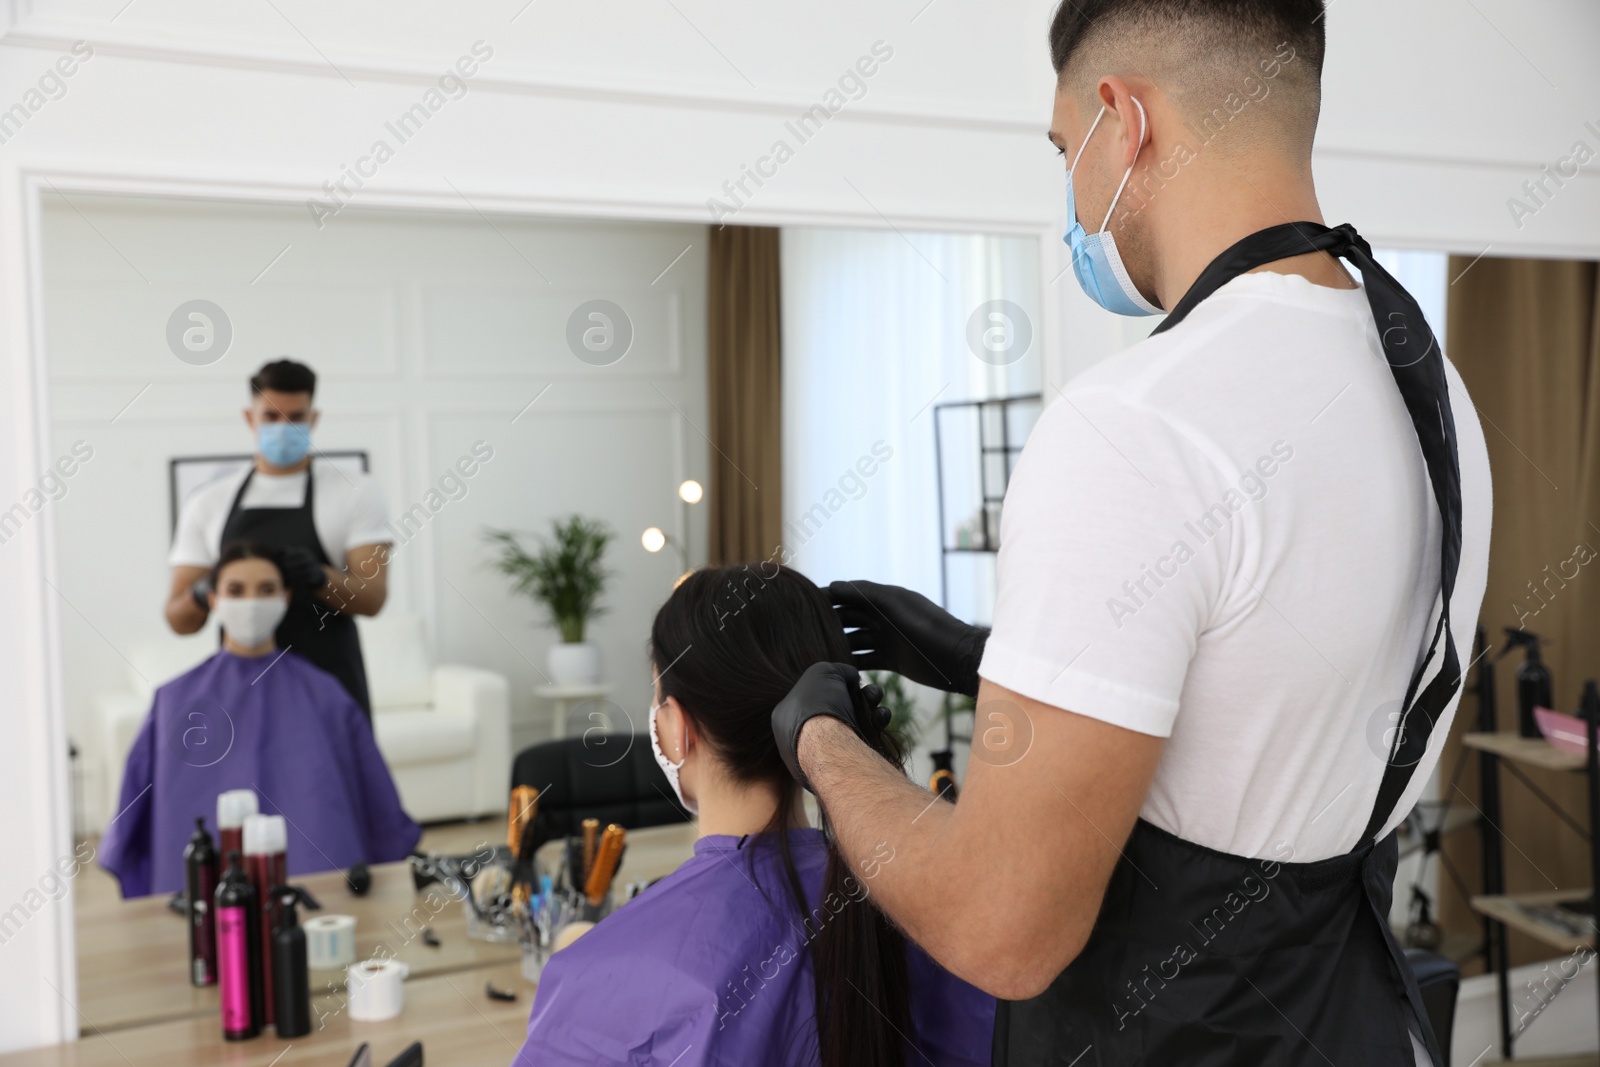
444	731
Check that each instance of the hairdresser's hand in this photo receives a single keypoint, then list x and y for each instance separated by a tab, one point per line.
826	689
905	632
301	568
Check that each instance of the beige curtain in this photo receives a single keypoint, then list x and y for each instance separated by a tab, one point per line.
1525	335
744	353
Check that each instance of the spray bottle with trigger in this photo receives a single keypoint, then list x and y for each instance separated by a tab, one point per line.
1534	688
291	979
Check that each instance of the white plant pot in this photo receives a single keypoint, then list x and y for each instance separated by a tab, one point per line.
575	663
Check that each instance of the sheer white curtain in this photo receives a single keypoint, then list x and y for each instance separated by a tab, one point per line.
877	330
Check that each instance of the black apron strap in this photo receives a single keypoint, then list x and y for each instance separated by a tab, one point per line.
1417	363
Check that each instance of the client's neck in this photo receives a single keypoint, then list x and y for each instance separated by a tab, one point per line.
244	650
737	808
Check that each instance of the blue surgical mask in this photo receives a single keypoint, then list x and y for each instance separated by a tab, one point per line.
1095	259
283	444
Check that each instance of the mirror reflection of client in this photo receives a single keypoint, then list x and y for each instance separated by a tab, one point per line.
251	717
721	962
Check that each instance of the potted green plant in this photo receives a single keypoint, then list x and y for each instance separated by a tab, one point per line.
565	576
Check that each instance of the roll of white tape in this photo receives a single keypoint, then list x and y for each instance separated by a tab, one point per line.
375	990
330	941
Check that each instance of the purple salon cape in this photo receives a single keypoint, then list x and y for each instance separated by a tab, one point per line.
276	724
712	966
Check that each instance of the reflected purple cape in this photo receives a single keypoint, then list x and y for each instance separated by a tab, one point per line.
711	965
278	725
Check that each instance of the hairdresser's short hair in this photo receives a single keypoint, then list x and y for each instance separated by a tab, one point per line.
1199	52
284	376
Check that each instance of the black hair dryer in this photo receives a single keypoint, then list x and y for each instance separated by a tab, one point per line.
1534	688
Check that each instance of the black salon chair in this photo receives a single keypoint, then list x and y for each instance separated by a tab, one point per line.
1439	980
612	777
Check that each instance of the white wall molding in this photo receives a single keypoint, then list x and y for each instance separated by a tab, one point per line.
57	36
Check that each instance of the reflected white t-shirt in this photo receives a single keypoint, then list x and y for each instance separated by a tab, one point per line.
347	511
1225	536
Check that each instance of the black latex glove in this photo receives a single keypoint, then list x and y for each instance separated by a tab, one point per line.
200	593
826	689
905	632
301	568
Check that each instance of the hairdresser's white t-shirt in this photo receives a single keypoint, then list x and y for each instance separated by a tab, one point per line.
347	510
1225	536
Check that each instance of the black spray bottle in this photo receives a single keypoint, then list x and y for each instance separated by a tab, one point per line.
1534	689
238	954
200	888
290	974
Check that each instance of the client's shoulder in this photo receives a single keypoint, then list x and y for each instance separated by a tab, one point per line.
713	956
731	899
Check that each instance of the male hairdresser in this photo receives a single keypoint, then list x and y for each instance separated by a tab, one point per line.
1240	564
329	526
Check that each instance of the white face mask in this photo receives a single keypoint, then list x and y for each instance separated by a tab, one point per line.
668	768
251	620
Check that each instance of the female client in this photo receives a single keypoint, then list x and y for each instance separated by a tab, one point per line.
252	717
764	948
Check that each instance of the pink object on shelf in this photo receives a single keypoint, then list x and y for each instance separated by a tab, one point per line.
1566	732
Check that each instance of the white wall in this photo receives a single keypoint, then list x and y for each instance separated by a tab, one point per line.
1436	113
875	338
429	333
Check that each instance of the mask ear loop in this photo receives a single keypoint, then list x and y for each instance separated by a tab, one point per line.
655	735
1092	127
1142	129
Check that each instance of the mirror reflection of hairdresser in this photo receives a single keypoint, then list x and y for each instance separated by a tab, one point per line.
312	512
1230	556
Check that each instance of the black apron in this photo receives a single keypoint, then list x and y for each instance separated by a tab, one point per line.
314	629
1203	959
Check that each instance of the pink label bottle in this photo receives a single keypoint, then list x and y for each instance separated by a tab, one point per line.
238	960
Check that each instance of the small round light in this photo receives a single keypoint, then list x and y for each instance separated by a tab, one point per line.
691	491
653	539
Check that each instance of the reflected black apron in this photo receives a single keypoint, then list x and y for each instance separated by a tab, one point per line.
314	629
1203	959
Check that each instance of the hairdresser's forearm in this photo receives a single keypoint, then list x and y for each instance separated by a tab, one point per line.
1003	888
895	836
183	615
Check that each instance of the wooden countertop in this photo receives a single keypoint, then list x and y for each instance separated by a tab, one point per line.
132	954
457	1023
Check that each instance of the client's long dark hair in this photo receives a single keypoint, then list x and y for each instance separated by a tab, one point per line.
729	644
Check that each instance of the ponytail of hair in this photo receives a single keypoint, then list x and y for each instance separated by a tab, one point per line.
729	643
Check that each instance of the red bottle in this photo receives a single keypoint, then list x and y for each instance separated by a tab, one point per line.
266	865
233	807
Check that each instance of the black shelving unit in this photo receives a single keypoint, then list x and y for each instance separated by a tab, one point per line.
1499	910
997	438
